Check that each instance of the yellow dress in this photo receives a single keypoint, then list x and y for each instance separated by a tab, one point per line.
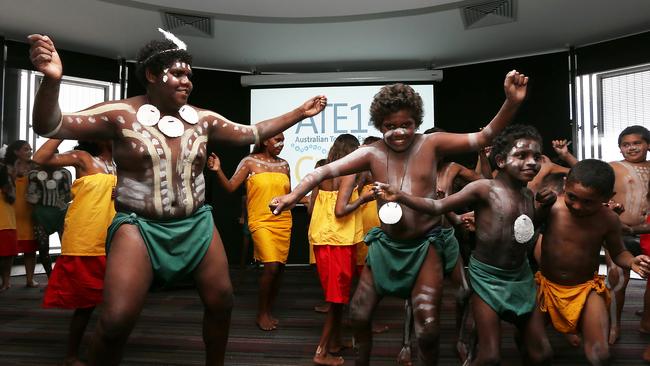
370	219
327	229
89	216
271	234
23	211
7	214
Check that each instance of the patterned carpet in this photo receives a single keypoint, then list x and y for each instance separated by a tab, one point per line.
169	329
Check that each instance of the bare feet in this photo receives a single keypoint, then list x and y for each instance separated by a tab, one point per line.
404	356
379	328
573	339
274	320
322	308
643	330
264	322
323	358
614	333
639	312
73	361
4	288
339	346
32	284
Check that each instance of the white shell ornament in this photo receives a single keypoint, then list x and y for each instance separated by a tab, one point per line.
189	114
50	184
41	175
390	213
524	229
57	175
148	115
171	126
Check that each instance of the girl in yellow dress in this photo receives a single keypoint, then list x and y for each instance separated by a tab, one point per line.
335	230
8	238
266	176
77	280
19	163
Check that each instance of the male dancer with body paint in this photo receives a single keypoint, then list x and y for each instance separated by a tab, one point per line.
499	273
631	191
404	257
448	172
163	230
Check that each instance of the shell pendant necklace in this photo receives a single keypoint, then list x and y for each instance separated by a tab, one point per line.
391	212
170	126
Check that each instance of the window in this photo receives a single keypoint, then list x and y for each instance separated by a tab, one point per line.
75	94
607	103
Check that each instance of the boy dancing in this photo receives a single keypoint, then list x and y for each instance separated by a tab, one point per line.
406	257
631	190
499	272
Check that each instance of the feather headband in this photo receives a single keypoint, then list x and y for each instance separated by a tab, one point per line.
180	45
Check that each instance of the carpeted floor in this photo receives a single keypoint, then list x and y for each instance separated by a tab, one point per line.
169	329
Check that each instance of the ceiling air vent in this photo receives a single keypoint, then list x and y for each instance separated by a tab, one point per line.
188	25
489	13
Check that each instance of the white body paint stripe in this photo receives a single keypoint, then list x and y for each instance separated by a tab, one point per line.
187	173
157	201
55	130
104	108
168	155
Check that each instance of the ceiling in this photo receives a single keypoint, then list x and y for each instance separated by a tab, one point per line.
286	36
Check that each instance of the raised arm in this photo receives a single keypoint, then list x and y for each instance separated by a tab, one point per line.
92	123
468	195
241	173
356	161
483	166
561	147
224	131
515	86
47	155
343	205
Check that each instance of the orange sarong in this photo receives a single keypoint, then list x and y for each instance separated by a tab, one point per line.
564	304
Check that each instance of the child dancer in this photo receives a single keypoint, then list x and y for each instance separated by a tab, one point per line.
448	172
570	290
8	237
404	258
19	164
498	268
631	187
266	175
77	280
335	231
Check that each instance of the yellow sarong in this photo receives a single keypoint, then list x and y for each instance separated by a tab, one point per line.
370	219
23	210
327	229
564	304
89	216
271	234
